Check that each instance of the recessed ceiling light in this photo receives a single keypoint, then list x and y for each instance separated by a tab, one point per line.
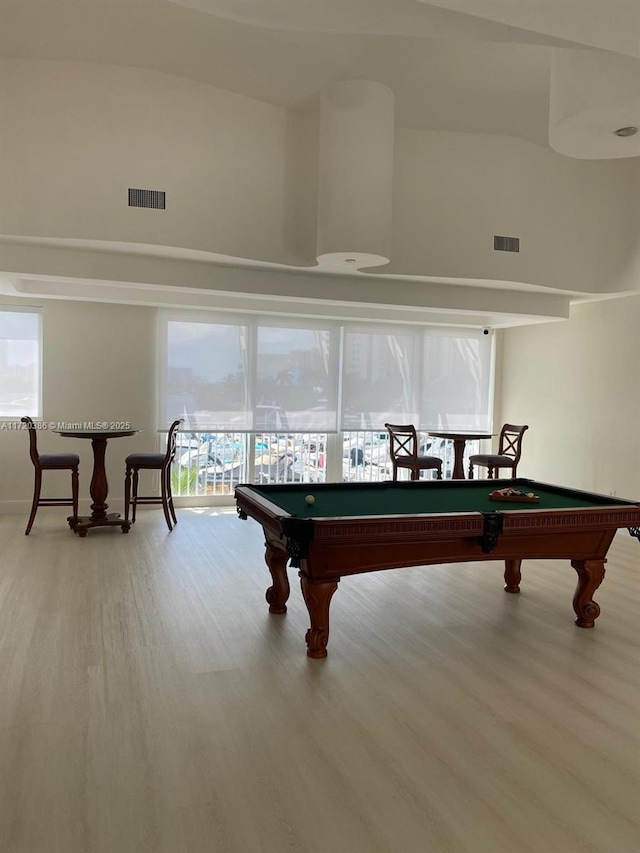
626	131
349	260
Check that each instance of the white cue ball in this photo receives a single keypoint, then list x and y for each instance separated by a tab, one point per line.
309	499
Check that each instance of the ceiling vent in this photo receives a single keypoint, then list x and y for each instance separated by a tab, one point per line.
506	244
155	199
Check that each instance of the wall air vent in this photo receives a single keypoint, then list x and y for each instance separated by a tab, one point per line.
155	199
506	244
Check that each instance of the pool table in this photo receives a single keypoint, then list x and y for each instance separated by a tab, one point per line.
351	528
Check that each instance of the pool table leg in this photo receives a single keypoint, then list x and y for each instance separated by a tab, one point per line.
317	597
512	575
278	594
590	576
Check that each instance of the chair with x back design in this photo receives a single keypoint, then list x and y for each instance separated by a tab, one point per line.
403	449
508	455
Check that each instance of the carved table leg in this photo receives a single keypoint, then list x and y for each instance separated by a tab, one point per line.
277	595
99	487
317	597
458	458
512	575
590	576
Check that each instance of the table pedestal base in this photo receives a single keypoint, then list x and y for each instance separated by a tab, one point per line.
82	523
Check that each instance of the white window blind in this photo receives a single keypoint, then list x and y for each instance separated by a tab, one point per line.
257	374
455	390
295	383
379	378
206	375
20	363
227	374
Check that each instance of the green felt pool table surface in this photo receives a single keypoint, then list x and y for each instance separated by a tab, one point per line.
415	498
351	528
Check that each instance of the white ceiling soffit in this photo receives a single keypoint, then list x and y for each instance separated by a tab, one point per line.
607	24
592	93
474	66
34	269
594	108
135	293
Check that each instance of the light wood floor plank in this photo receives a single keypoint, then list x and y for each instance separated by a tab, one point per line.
149	702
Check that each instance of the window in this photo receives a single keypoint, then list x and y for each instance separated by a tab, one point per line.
243	374
268	399
294	381
206	366
379	376
430	377
455	390
252	374
20	363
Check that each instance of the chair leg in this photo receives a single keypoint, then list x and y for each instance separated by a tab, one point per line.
490	474
439	473
170	497
36	498
134	496
165	504
470	475
75	481
127	493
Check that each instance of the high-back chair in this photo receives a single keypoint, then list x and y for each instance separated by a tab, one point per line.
403	449
50	462
161	462
508	454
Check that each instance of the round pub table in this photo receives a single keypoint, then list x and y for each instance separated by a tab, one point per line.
99	487
459	440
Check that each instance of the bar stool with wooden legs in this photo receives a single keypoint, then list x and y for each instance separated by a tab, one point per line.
50	462
161	462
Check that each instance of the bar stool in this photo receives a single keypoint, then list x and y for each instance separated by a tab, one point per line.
161	462
50	462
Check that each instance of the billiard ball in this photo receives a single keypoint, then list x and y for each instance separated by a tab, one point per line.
310	499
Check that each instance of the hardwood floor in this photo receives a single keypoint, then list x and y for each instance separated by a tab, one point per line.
149	702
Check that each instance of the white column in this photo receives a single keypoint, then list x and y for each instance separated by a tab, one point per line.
355	175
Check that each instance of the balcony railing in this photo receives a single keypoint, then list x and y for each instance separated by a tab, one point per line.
208	464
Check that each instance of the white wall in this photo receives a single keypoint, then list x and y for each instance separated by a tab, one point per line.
578	221
576	384
241	179
76	136
99	363
573	382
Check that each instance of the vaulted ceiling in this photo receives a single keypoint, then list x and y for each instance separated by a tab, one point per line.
467	66
461	65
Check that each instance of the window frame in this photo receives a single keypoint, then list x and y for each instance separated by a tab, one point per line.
38	412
